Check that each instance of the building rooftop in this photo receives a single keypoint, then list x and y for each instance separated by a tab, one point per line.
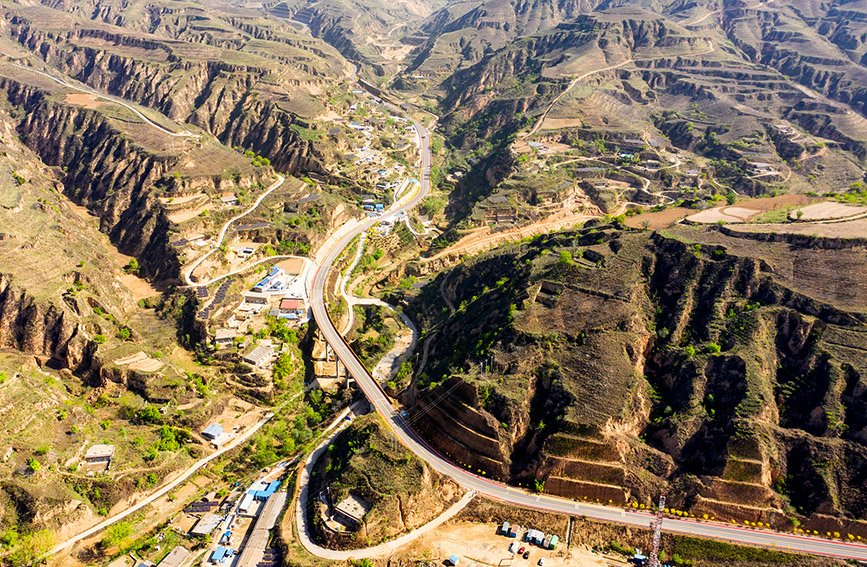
207	524
213	431
259	354
175	558
353	506
256	295
100	451
225	334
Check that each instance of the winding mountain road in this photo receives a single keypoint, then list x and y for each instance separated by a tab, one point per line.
188	271
121	102
508	494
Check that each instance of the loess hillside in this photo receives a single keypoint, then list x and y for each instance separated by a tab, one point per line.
610	364
401	491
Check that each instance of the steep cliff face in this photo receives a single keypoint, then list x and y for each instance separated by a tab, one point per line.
649	363
103	171
225	99
41	328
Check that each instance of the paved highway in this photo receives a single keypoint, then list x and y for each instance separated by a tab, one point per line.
511	495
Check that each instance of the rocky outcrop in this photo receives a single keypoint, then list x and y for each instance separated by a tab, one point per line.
43	329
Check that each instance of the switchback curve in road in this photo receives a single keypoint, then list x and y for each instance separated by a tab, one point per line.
375	551
188	271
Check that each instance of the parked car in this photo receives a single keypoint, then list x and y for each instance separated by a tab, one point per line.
527	554
541	562
520	551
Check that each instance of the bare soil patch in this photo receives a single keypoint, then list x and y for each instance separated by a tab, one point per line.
659	219
147	365
727	214
183	216
781	201
181	200
139	288
137	357
82	99
292	265
827	211
479	544
846	229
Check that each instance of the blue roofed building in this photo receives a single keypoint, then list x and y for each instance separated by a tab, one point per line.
213	431
265	493
219	554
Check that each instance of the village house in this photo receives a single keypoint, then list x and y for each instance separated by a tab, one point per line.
225	337
259	356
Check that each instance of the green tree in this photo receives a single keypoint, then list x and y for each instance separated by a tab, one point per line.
99	339
566	258
132	267
150	414
432	206
115	534
283	367
33	464
31	547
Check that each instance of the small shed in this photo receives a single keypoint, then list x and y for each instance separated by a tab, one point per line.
219	554
350	511
504	529
99	454
454	560
224	337
554	541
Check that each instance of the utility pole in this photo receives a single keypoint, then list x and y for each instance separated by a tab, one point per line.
657	531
